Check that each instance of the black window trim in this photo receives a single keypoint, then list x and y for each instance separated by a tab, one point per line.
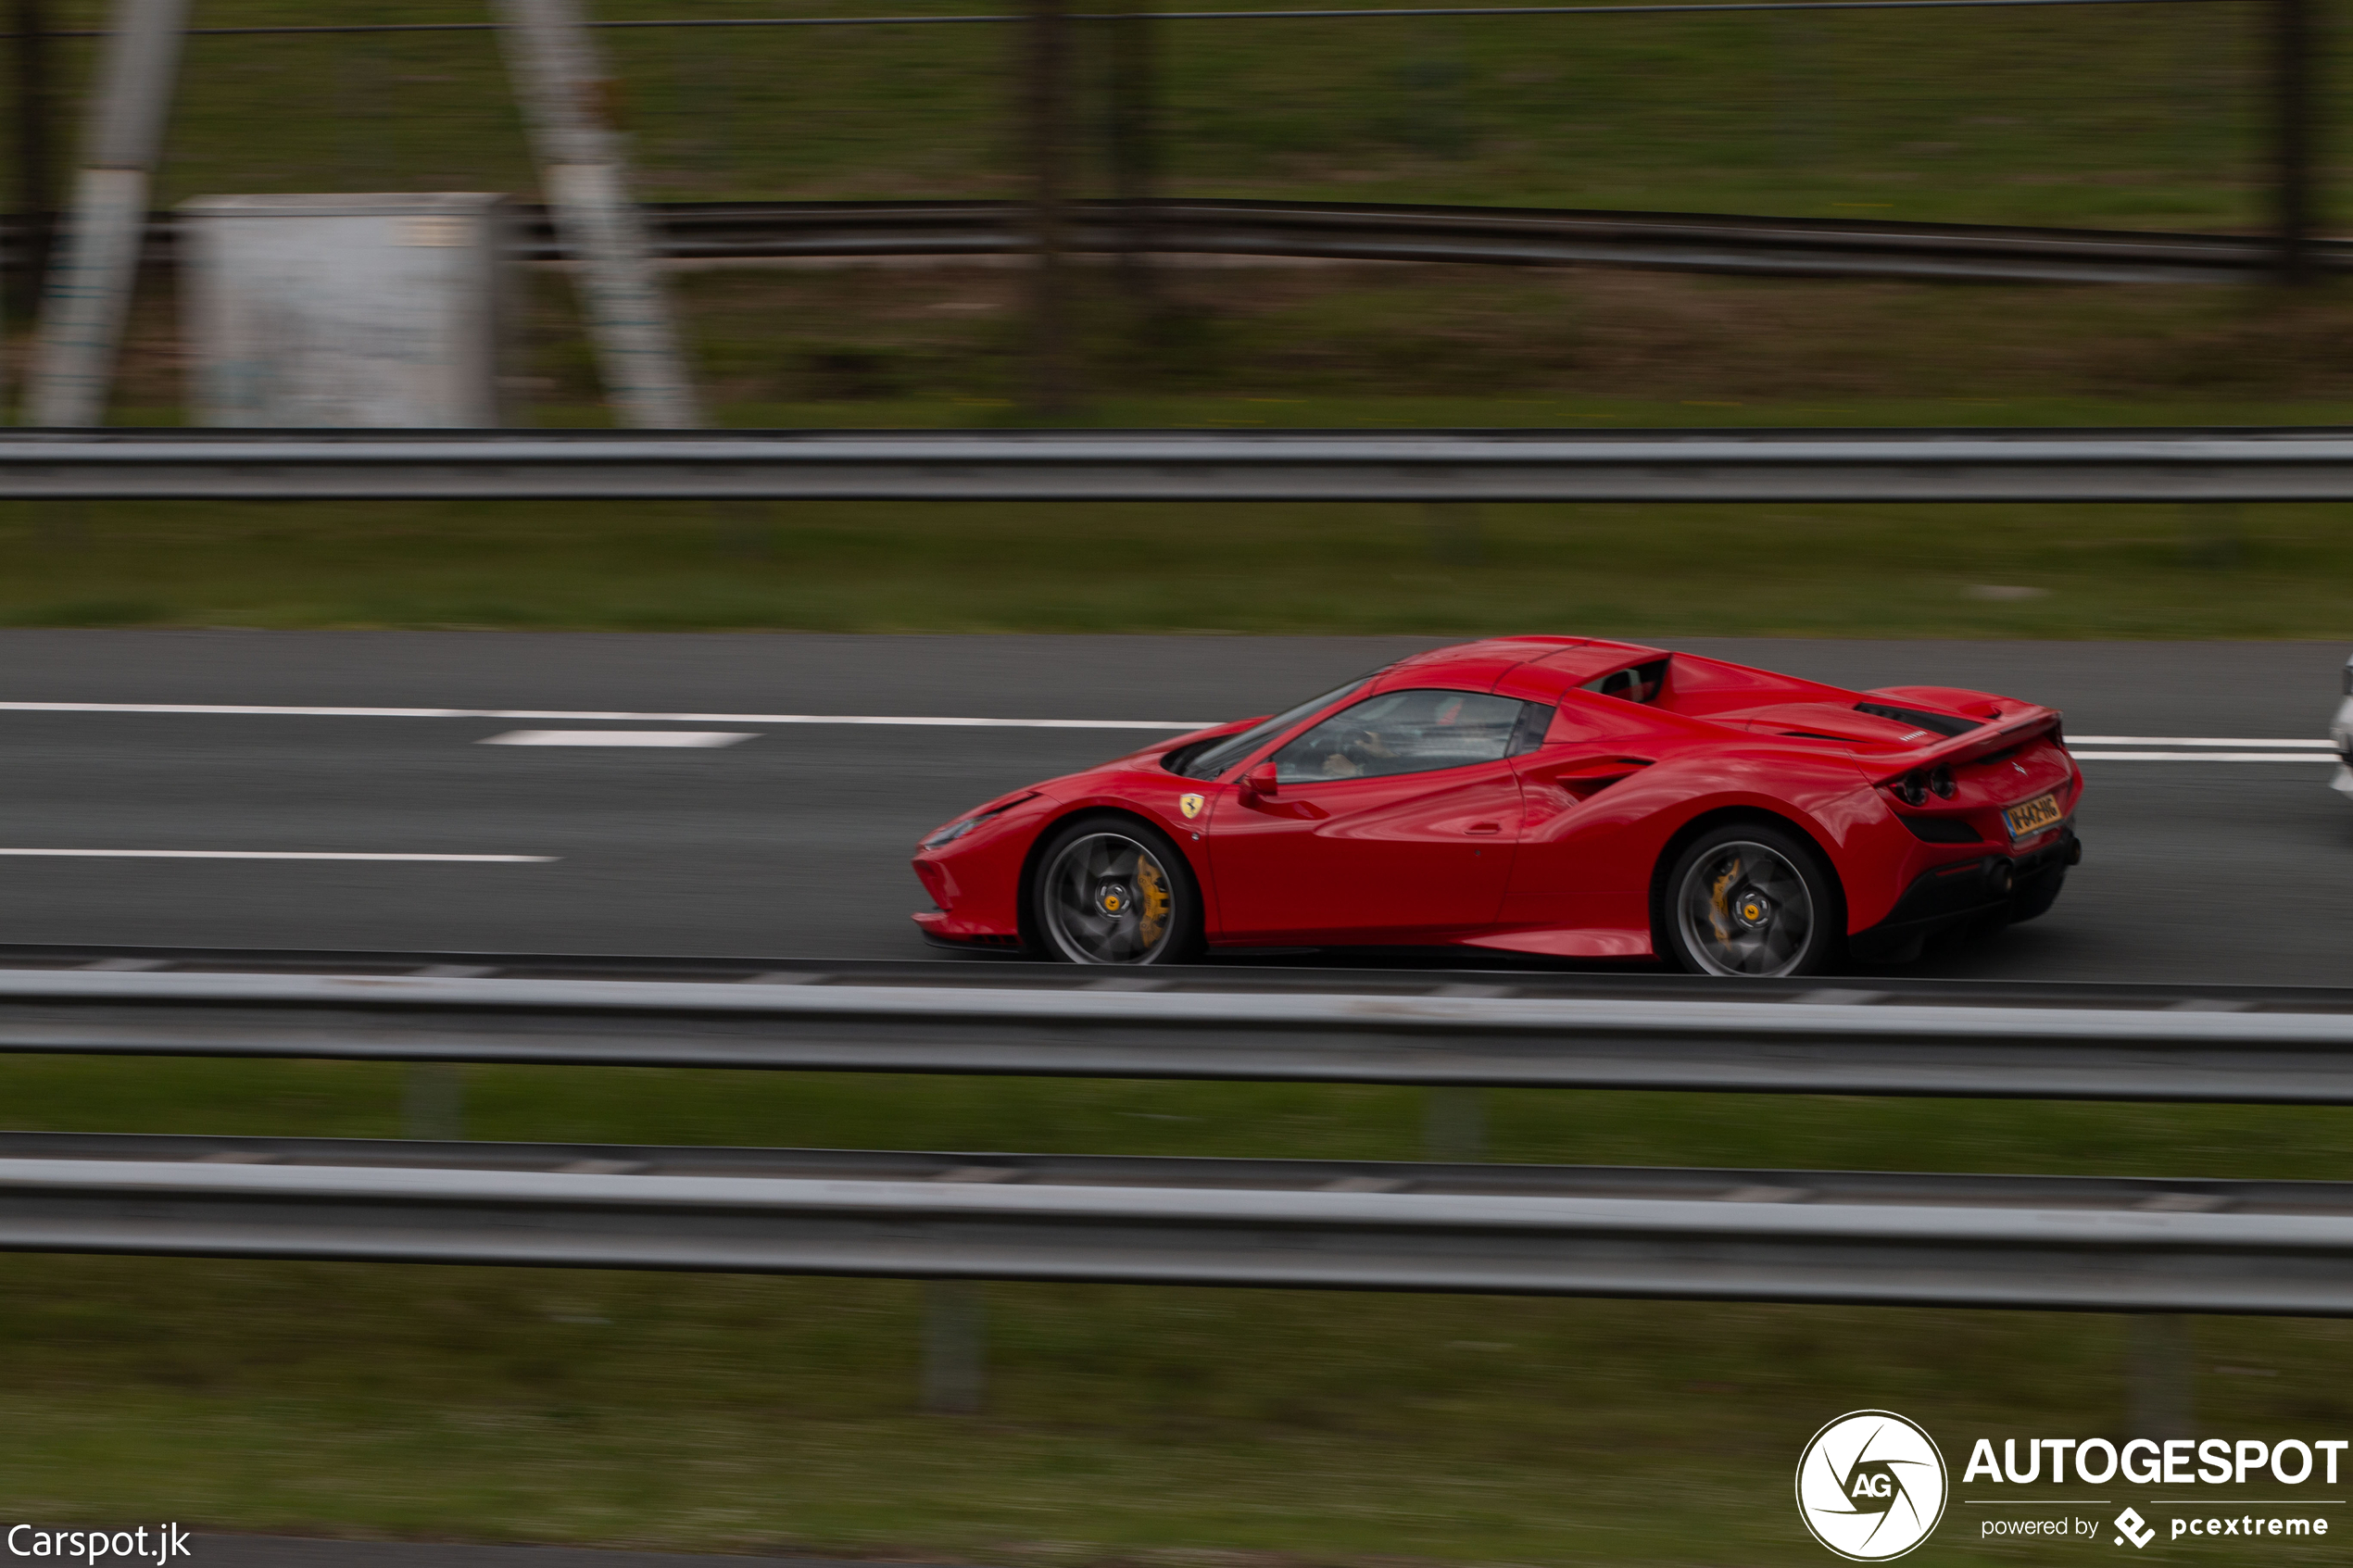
1180	760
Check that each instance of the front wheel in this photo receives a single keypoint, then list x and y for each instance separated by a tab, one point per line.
1751	901
1113	891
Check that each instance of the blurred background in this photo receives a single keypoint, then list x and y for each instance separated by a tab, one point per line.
2150	117
913	215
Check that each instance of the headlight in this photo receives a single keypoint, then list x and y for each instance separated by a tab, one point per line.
963	826
953	832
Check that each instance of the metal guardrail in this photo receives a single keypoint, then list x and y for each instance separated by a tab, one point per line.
1867	1044
1810	1237
1467	235
1851	465
1460	236
1460	973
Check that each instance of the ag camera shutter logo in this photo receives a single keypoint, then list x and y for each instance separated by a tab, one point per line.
1872	1486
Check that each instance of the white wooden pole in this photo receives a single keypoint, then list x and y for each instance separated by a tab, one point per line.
88	291
567	101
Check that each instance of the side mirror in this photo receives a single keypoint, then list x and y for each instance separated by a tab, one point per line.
1260	780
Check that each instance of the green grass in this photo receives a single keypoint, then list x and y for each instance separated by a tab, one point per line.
2132	116
1123	1424
1358	348
1661	572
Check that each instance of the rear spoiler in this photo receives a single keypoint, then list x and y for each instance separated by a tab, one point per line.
1999	736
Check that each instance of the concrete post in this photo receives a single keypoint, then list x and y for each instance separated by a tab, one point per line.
1453	1124
568	103
955	1347
433	1102
89	284
2164	1377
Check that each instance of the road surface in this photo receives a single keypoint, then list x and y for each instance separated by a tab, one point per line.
791	839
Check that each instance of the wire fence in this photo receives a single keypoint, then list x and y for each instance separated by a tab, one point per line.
2129	113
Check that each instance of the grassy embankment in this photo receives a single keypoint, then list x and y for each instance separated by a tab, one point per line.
2088	116
2146	117
1164	1426
1347	347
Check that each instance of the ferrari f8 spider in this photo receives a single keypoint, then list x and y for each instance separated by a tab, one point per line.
1558	797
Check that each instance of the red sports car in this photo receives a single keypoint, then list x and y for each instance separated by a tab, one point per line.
1552	796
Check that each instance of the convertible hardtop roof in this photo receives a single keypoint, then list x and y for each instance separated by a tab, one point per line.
1548	668
1717	694
1562	662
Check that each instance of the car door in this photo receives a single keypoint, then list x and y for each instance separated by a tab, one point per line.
1574	867
1391	820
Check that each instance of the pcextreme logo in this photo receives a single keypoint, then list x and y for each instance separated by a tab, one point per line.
1872	1486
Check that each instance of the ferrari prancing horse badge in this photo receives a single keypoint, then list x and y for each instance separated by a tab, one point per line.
1190	805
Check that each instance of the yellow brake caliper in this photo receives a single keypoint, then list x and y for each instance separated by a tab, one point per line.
1155	897
1719	917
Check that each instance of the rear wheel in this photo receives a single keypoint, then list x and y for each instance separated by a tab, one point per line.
1113	891
1749	899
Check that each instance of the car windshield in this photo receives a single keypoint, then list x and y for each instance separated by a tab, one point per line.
1208	761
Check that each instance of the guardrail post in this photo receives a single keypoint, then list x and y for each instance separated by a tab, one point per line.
1453	532
1453	1124
955	1347
2292	45
433	1102
2164	1376
36	194
2210	535
1047	134
89	289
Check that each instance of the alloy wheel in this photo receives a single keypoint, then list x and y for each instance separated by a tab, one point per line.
1107	899
1744	910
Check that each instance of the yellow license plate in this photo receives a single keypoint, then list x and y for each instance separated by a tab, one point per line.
2033	816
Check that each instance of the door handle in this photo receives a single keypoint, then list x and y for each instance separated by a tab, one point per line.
1484	827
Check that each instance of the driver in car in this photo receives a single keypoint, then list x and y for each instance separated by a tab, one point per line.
1355	754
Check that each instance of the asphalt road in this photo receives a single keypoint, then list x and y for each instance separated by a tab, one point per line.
794	842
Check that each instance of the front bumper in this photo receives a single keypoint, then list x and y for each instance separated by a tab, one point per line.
942	930
1950	896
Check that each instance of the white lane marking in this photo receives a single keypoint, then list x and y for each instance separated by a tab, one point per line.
2308	757
615	718
2311	747
267	854
618	738
2074	741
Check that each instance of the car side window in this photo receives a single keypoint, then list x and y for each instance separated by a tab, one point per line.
1407	732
